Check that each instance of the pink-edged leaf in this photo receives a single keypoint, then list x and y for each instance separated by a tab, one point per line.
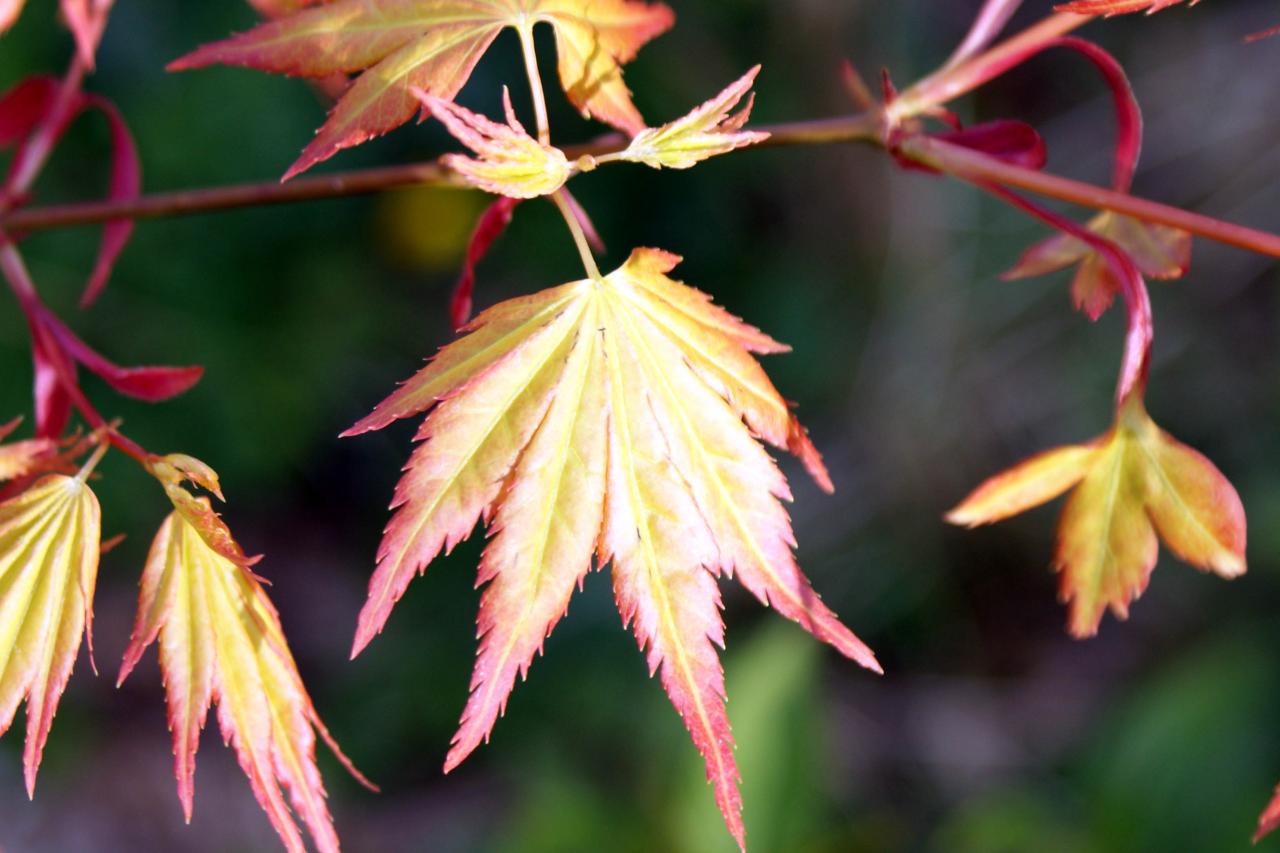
614	416
395	46
491	225
544	537
221	641
125	184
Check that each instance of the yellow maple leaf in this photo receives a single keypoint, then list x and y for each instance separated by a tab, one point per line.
615	418
434	45
1131	485
50	535
221	642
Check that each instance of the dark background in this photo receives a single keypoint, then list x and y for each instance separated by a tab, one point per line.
918	371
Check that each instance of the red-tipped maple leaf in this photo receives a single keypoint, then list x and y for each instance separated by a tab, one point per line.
615	418
396	46
221	641
49	541
1132	484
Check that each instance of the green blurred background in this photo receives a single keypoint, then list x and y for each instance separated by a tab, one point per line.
918	372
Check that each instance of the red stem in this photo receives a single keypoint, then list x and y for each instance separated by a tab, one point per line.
15	271
974	166
1137	347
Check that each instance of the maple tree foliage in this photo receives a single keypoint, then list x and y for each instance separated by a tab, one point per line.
50	534
615	417
620	420
396	46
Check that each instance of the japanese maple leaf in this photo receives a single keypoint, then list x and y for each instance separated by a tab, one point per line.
616	418
1132	485
221	641
1158	251
396	46
49	546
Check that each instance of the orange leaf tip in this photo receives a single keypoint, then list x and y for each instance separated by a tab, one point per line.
616	420
1134	486
509	161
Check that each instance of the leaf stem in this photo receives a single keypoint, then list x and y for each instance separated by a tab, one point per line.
579	236
953	80
535	82
972	165
864	127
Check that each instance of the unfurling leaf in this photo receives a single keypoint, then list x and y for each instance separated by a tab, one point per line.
1158	251
398	45
708	131
1131	485
49	541
172	471
511	162
604	418
221	642
1117	7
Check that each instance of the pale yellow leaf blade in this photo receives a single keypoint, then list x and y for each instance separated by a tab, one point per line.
50	535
